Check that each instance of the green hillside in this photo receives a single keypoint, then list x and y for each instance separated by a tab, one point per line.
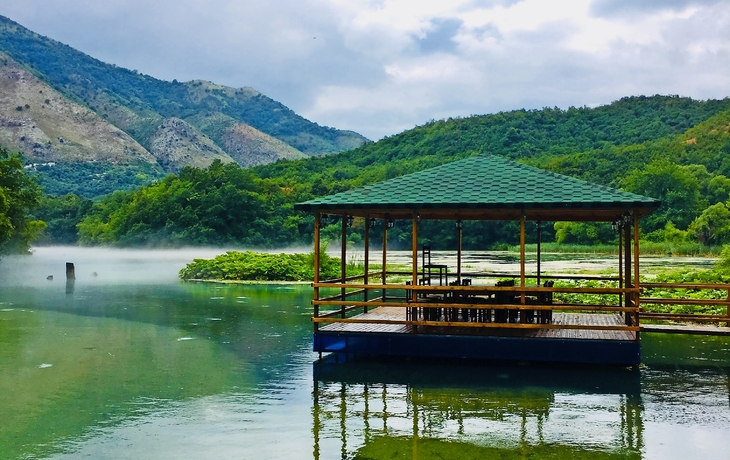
519	135
681	160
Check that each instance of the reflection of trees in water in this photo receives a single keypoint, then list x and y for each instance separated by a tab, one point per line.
378	419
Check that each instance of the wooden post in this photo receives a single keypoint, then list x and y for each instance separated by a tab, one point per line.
539	241
636	269
385	252
522	257
317	217
620	265
343	263
414	251
70	271
627	269
366	262
459	241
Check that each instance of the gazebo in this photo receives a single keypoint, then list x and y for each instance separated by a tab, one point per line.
441	311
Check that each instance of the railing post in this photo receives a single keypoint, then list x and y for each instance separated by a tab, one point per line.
366	262
385	255
627	272
317	217
637	284
343	263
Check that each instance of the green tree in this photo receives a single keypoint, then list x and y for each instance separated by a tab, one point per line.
18	195
61	215
583	232
712	226
676	186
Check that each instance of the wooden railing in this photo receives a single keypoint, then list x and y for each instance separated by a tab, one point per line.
449	297
723	317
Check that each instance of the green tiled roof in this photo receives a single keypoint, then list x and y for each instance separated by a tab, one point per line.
484	181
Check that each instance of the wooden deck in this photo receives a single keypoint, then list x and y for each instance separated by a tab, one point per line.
559	319
692	329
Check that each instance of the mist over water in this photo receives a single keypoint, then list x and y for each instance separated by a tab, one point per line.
103	265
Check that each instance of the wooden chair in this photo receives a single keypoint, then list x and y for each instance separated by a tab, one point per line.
502	315
546	316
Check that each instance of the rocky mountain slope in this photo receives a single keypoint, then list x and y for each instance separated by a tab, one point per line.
49	127
82	111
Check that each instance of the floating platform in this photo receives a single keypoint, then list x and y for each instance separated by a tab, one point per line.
569	345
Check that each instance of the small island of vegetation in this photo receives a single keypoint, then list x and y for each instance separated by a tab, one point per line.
260	266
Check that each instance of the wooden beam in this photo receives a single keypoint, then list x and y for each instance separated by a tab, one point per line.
620	262
385	254
343	262
354	304
366	262
414	252
459	241
317	217
477	290
539	241
636	266
627	268
522	257
589	327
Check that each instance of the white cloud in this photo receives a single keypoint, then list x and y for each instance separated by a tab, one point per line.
379	67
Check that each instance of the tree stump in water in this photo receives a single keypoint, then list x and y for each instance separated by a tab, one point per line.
70	271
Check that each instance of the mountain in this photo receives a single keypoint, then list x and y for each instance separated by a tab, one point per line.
672	148
161	126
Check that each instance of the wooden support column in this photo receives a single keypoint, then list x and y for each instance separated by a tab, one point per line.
459	241
620	264
414	251
627	269
385	254
522	257
317	217
366	262
636	268
539	241
343	264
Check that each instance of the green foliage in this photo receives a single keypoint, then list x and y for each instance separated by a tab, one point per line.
583	233
220	205
712	226
19	194
723	263
669	234
62	215
258	266
677	187
90	180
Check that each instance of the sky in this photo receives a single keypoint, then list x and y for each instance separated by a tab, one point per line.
380	67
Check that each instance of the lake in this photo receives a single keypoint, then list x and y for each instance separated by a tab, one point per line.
128	362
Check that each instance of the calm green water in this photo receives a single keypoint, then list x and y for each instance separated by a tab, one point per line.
133	364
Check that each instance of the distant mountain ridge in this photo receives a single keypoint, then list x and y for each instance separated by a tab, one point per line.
166	125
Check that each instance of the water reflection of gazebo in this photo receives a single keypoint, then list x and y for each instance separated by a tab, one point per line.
488	412
437	310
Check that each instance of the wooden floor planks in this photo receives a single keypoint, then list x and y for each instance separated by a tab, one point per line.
395	313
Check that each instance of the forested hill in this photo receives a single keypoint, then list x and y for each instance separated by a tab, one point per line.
671	148
178	123
534	136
